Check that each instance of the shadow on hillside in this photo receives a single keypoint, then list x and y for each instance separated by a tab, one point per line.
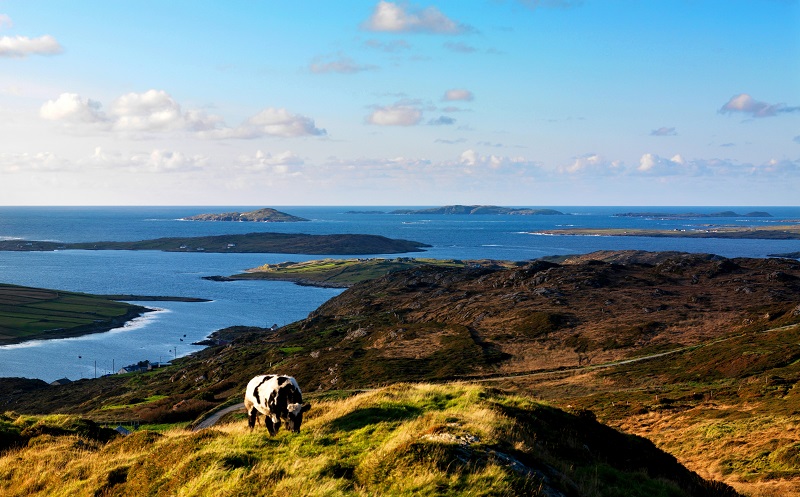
371	415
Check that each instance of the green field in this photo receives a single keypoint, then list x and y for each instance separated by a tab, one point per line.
36	313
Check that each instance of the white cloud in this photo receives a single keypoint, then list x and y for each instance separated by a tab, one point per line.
653	164
152	110
156	111
746	104
155	161
71	107
22	46
394	18
168	161
779	167
283	163
592	164
395	115
457	94
279	122
473	159
341	65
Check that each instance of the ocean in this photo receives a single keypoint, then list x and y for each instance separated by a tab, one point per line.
169	332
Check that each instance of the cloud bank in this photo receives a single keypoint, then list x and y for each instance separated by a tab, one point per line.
156	111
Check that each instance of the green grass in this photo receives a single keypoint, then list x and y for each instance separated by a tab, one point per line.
148	400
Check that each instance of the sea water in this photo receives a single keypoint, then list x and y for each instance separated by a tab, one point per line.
169	332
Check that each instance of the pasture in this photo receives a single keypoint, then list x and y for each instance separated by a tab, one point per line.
36	313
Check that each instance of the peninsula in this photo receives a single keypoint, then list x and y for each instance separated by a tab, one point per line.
265	215
275	243
344	273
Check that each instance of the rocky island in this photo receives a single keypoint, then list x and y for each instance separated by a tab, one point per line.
265	215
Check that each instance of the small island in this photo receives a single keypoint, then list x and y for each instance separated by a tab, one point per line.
265	215
481	209
274	243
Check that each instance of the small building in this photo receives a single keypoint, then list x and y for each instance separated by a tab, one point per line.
61	381
122	430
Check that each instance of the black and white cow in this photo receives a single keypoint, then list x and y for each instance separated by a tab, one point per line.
278	398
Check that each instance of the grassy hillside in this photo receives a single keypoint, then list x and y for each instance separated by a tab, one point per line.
35	313
698	353
400	440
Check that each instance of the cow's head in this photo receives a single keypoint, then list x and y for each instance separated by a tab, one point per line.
295	416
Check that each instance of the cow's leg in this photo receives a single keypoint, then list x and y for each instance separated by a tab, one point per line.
251	420
269	425
276	421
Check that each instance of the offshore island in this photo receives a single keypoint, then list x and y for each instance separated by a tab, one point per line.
265	215
470	210
275	243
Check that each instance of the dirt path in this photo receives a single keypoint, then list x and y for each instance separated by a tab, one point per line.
214	418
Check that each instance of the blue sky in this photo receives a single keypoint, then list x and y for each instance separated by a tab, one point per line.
506	102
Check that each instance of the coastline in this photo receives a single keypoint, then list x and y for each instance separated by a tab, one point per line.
781	232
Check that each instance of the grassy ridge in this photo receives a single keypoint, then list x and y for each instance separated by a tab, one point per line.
401	440
347	272
32	313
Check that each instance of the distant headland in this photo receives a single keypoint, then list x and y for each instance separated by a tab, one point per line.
265	215
470	210
692	215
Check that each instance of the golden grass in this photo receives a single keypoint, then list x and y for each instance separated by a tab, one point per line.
374	443
755	452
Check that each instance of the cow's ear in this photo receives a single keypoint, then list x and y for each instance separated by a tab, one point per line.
306	407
